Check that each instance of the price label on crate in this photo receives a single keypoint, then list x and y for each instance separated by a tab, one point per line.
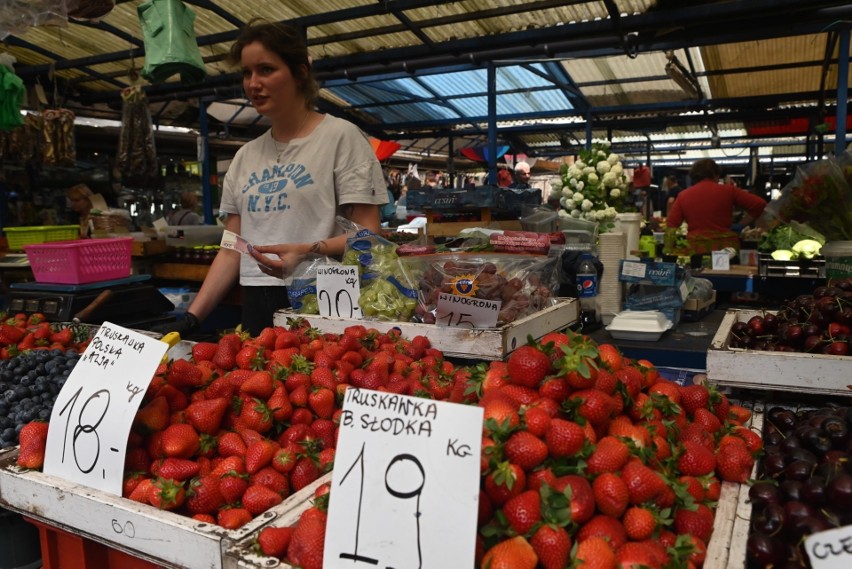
466	312
721	260
405	483
92	416
831	549
338	291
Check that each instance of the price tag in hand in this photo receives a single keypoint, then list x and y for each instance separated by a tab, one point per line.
338	291
466	312
405	485
92	416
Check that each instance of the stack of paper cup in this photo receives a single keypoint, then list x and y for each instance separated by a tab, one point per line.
612	247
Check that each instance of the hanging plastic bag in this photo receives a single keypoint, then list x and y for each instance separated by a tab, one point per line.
168	28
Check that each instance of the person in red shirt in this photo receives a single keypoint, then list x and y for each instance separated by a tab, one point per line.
707	207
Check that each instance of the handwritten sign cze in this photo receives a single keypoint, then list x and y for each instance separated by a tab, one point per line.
92	416
405	487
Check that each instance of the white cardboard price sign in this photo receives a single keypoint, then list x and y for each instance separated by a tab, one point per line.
406	483
466	312
633	269
338	291
831	549
92	416
721	260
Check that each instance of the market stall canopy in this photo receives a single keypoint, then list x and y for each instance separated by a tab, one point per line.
384	149
666	80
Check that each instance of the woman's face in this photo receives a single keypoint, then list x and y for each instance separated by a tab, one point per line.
268	82
79	203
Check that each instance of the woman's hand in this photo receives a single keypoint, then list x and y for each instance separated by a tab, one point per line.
289	255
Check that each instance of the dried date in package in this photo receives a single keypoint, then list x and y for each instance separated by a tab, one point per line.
523	284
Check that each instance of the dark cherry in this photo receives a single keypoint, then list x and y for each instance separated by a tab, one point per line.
791	490
764	551
768	520
764	492
839	492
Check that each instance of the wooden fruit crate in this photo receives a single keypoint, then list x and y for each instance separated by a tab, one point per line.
484	343
142	531
777	371
242	555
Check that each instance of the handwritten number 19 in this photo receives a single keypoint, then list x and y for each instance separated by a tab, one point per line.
84	428
393	491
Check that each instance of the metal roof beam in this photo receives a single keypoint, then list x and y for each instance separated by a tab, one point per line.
12	40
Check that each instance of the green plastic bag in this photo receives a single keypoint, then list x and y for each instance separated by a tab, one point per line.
170	46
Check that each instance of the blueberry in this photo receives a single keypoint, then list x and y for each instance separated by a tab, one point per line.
8	434
10	396
43	415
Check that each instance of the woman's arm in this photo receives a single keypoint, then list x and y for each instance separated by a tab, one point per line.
290	254
221	277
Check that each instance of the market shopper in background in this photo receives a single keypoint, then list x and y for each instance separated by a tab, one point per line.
186	214
707	208
80	202
283	189
672	188
504	178
522	177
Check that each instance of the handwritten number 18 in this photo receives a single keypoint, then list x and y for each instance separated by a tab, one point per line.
401	494
84	428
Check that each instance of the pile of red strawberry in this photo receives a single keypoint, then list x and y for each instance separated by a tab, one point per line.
248	421
588	458
21	333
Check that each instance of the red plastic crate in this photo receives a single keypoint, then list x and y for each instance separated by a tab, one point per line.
81	261
63	550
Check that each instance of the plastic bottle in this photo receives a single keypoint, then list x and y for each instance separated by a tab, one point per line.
587	292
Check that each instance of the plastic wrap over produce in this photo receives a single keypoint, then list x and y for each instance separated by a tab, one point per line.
386	294
524	284
18	15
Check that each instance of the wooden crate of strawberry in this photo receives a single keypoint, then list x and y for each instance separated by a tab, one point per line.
478	344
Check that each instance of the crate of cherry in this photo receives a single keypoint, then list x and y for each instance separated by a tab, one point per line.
803	346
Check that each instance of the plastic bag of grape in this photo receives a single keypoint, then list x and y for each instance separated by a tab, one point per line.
302	291
524	284
386	294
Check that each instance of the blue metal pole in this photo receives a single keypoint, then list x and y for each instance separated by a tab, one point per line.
842	92
204	157
588	131
492	124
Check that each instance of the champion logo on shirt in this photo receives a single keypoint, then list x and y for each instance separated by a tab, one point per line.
277	177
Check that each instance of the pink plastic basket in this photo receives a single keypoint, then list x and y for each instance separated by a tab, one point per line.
81	261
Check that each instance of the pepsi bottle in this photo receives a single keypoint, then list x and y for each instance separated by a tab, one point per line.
587	292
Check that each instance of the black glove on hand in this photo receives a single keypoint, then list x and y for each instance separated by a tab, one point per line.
184	326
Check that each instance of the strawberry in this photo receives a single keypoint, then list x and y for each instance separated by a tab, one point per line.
166	494
177	469
513	553
259	454
267	338
154	416
734	462
609	455
285	458
504	482
694	397
752	440
65	337
526	450
523	511
272	479
33	440
634	555
639	523
708	421
259	385
696	460
698	522
233	518
255	415
231	444
611	494
304	472
273	541
581	495
233	486
564	438
184	374
131	481
528	366
307	542
594	553
552	545
501	409
323	377
203	351
594	405
739	414
537	420
643	484
142	492
180	441
321	402
257	499
206	416
606	527
226	352
696	433
610	357
204	496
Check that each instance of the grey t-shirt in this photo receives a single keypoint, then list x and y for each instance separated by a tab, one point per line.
291	193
